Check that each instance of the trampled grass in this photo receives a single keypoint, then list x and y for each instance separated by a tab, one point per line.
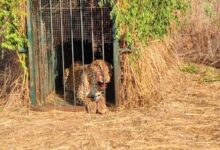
187	118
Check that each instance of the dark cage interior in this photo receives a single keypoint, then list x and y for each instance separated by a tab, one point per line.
67	32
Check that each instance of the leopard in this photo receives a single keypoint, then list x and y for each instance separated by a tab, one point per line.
90	80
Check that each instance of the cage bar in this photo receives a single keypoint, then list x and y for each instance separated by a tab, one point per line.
72	50
62	48
31	53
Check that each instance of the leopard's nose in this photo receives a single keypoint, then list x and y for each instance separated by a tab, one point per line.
105	80
96	97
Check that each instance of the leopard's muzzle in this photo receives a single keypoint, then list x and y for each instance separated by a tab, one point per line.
102	85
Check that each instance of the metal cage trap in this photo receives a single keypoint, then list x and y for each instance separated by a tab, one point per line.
63	32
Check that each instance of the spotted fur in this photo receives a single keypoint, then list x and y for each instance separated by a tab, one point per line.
90	82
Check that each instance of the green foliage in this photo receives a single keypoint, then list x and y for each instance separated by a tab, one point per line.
204	73
209	9
211	79
143	20
190	68
11	35
210	75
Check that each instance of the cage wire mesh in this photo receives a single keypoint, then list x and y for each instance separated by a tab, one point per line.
88	10
66	31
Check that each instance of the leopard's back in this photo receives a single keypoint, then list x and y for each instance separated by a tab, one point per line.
75	75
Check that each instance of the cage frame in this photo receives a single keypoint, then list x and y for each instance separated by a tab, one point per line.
32	67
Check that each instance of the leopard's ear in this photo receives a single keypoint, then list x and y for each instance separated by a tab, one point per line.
110	66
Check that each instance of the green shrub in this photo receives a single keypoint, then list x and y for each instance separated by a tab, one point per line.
143	20
12	29
209	9
11	34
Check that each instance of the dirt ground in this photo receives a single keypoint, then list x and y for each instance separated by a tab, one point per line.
188	118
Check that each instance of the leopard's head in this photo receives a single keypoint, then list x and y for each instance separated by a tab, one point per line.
101	73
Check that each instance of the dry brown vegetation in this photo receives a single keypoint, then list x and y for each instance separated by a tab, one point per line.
143	72
187	118
182	101
13	93
198	39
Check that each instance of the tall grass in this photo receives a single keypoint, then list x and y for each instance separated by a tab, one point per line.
142	73
13	67
13	93
198	40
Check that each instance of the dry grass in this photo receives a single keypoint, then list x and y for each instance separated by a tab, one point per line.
184	112
197	41
13	94
199	38
142	72
187	118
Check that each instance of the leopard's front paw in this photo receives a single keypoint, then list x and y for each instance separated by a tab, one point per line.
101	107
91	107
